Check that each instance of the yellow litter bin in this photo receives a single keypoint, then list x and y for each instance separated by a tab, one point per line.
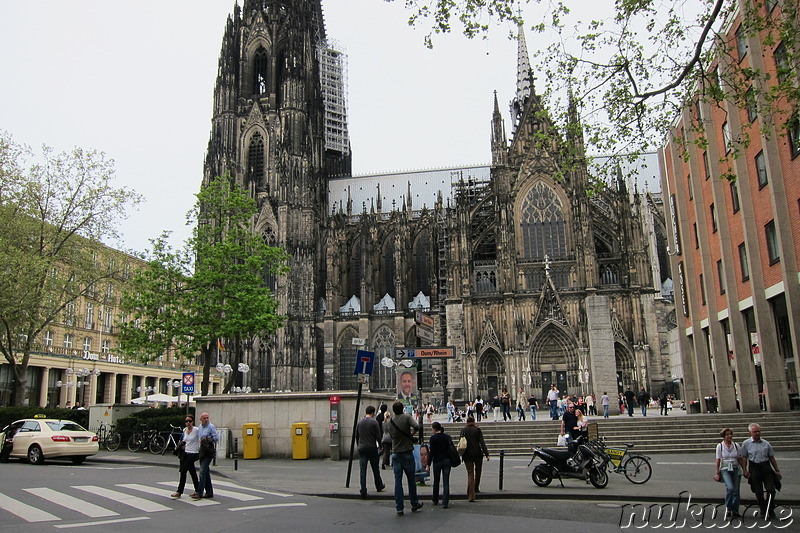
300	440
251	436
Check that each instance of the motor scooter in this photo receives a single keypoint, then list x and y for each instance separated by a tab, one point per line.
581	460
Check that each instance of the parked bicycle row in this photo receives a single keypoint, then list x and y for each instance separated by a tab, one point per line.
144	438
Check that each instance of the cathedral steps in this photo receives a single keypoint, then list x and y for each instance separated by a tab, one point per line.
652	434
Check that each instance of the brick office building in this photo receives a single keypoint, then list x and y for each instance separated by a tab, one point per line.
735	242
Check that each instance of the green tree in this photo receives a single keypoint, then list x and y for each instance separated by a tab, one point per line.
54	215
214	288
633	69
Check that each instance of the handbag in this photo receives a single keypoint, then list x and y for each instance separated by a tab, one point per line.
462	445
180	449
562	440
455	458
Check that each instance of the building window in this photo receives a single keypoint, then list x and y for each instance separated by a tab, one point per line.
106	346
87	344
761	169
48	337
696	236
89	322
706	168
734	196
741	42
714	225
702	291
69	314
743	262
727	138
689	186
750	104
782	66
772	243
109	292
721	276
794	134
542	224
255	160
260	71
67	340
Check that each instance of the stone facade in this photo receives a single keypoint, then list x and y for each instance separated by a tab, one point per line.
532	278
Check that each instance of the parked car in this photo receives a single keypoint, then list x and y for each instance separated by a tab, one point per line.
38	439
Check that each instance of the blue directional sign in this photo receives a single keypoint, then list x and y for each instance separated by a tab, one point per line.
364	360
187	384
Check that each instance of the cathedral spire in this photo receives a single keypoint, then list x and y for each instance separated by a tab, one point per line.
524	78
499	143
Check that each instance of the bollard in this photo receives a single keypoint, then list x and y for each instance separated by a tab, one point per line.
236	454
502	456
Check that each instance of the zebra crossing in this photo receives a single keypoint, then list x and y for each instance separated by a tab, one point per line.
117	503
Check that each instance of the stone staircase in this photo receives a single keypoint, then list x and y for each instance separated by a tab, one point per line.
651	435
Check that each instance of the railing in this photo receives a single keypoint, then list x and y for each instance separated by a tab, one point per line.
532	275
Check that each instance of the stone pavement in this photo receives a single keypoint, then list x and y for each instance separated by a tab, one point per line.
672	474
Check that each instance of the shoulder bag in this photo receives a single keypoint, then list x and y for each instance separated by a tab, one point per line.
455	458
462	444
404	433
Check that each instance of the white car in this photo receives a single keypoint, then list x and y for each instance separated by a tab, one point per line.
38	439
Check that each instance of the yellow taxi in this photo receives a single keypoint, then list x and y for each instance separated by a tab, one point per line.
38	439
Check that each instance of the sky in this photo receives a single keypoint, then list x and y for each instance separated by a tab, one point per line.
135	79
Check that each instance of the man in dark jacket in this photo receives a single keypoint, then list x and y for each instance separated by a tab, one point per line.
401	428
368	438
662	402
630	401
644	400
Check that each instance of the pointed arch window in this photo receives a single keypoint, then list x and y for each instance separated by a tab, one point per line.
388	269
422	264
384	346
260	71
542	225
255	159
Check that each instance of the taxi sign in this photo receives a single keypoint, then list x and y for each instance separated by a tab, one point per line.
187	384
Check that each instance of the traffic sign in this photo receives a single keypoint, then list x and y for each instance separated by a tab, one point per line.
423	319
359	342
425	333
364	361
428	352
187	384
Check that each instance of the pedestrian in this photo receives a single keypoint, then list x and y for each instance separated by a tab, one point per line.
505	404
368	438
569	422
728	469
401	427
429	412
533	405
663	400
440	458
473	456
552	399
590	405
761	470
386	442
495	403
605	401
207	434
188	452
381	414
621	404
630	401
644	400
477	407
451	410
522	403
7	440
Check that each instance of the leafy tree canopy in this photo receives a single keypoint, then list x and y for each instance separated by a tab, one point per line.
54	214
634	67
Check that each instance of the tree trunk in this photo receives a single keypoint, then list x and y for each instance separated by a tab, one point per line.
206	369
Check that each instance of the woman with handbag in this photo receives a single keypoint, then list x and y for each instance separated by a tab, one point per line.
440	444
729	466
386	441
188	451
473	455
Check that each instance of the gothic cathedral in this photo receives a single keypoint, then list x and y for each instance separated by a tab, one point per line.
535	274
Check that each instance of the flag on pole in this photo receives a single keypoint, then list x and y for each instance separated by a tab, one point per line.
220	346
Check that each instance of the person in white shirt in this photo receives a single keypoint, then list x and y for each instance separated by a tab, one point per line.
552	398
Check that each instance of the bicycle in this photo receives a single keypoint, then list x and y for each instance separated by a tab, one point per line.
634	466
162	444
143	439
109	437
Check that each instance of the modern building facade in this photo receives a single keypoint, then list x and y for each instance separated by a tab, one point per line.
532	279
734	243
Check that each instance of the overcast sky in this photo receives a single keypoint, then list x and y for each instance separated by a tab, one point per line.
135	79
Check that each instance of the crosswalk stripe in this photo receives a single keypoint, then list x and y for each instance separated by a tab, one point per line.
71	502
102	522
268	506
25	511
236	495
125	499
235	486
167	494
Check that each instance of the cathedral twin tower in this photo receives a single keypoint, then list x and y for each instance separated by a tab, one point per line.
531	280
